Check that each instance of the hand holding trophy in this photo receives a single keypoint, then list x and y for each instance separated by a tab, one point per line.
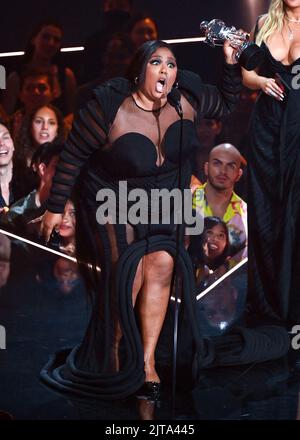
248	54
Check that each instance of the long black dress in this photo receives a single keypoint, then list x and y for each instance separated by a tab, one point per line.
114	140
274	199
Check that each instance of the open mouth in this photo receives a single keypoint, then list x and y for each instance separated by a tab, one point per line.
212	247
160	85
64	227
3	152
44	135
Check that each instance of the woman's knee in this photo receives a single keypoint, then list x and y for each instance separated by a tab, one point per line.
160	266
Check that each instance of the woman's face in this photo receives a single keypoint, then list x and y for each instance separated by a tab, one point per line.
44	126
6	146
216	240
68	224
47	42
160	75
291	4
144	30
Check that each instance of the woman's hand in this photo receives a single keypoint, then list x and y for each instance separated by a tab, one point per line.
229	50
269	87
50	221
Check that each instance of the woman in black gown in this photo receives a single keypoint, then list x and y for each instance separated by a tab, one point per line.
130	132
274	166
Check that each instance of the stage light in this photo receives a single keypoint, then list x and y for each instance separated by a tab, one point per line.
72	49
11	54
81	48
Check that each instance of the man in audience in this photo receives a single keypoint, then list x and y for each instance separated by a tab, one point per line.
32	205
36	91
217	197
14	180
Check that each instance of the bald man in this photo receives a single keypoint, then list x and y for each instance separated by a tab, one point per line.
217	197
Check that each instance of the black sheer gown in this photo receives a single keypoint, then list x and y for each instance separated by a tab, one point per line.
114	140
274	198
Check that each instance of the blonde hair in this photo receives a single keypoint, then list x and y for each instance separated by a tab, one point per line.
273	22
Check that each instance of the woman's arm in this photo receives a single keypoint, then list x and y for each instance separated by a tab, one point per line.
253	80
219	101
214	101
88	134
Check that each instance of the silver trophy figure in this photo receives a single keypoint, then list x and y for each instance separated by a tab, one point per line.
248	54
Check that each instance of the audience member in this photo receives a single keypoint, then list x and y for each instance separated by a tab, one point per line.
43	125
14	181
67	228
42	54
141	28
115	16
118	52
32	205
115	60
208	131
217	197
36	90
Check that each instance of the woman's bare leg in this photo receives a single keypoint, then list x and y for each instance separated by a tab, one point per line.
137	284
153	301
138	280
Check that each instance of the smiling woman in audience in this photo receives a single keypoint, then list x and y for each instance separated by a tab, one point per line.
67	229
210	249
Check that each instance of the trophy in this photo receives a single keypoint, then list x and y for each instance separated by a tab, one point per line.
248	54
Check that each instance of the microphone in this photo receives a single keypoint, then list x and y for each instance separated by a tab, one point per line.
174	100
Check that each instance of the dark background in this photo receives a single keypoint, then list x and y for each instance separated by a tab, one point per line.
175	18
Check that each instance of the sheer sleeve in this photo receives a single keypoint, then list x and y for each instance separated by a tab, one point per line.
89	132
214	101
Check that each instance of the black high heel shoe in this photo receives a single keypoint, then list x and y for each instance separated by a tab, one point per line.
150	391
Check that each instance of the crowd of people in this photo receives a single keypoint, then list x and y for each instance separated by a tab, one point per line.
42	97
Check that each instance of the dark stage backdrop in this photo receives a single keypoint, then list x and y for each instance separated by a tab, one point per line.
176	18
